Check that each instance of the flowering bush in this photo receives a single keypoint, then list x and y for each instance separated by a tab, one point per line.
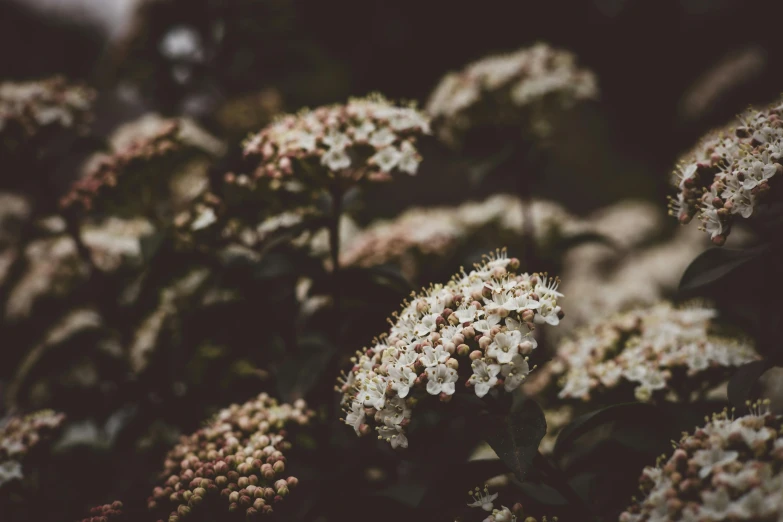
660	349
729	172
484	316
236	461
515	89
729	469
19	436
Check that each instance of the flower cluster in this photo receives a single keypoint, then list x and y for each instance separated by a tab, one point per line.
508	89
411	238
483	499
30	109
106	513
154	161
20	435
730	469
644	347
367	138
484	317
729	172
645	267
236	461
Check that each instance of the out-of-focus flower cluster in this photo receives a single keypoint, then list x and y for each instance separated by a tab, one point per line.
484	500
20	435
237	461
106	513
418	235
31	111
365	139
729	469
638	268
155	162
484	317
514	89
728	173
646	347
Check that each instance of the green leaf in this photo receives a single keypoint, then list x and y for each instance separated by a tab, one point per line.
716	264
744	380
592	420
515	437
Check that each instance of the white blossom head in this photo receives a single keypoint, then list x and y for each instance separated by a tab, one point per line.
655	350
484	501
365	139
519	89
728	174
471	335
729	469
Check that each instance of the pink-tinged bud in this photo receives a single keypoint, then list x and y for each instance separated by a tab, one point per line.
195	500
283	491
444	397
527	316
453	320
484	343
258	493
525	347
513	263
364	429
225	493
458	339
452	363
717	202
234	496
684	218
292	482
243	482
251	513
463	350
200	492
183	510
269	493
450	347
221	481
245	501
259	504
221	468
279	467
233	476
719	240
173	518
233	507
475	355
253	479
517	509
469	332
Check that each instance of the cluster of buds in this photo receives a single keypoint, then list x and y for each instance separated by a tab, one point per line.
730	469
481	320
644	347
106	513
154	162
515	89
409	239
484	500
19	436
33	110
367	138
729	172
236	462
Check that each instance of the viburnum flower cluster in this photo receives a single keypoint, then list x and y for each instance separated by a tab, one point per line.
20	435
422	232
729	469
30	109
365	139
508	90
236	462
484	500
482	319
646	347
729	172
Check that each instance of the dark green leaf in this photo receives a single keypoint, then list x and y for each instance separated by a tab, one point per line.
515	437
592	420
716	264
744	380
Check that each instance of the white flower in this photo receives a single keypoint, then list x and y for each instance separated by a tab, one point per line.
10	470
441	379
386	158
374	392
355	417
483	499
710	458
362	132
337	140
402	378
485	325
336	159
394	434
433	356
514	373
505	346
484	376
466	315
409	158
394	411
382	138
